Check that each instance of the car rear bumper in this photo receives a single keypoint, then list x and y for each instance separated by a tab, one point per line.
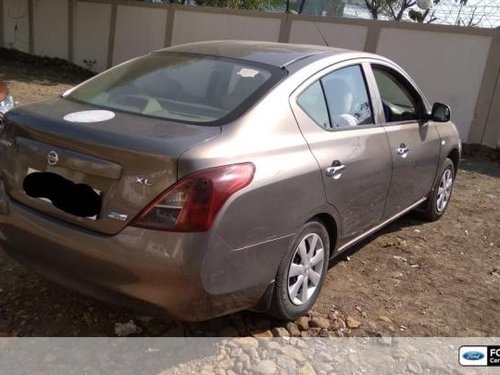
190	276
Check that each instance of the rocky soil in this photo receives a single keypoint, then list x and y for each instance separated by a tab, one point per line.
248	355
411	279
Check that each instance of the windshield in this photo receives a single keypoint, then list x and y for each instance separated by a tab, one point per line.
184	87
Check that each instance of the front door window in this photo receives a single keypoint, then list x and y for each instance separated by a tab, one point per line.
398	101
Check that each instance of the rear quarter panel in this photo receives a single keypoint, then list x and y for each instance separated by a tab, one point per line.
257	224
287	186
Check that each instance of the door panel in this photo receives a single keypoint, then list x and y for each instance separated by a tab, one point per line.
359	191
413	171
353	155
414	144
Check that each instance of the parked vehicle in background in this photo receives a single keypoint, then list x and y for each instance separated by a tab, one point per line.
6	99
213	177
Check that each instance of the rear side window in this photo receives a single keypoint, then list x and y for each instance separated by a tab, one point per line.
183	87
347	98
339	100
398	100
312	101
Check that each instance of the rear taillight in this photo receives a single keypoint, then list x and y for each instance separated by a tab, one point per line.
191	204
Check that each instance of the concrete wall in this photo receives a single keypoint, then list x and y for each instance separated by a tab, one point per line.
454	65
322	33
15	24
449	71
138	31
190	26
50	28
485	126
492	127
91	31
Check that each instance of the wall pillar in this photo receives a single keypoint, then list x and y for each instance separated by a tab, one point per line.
71	30
31	33
483	126
2	23
169	26
111	36
372	37
491	134
285	27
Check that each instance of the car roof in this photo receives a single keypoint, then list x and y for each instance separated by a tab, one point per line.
271	53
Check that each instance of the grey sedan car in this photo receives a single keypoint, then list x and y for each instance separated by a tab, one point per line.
213	177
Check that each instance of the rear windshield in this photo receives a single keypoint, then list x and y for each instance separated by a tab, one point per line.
182	87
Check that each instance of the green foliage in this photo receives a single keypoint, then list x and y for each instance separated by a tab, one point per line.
416	15
392	9
242	4
219	3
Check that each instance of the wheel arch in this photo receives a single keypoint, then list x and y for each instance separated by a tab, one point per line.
331	227
454	156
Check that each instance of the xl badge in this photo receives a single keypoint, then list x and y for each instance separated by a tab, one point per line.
116	216
53	158
143	181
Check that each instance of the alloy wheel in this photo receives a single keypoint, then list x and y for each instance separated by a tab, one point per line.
444	190
306	268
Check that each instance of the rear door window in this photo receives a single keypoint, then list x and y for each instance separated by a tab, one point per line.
338	100
347	98
312	101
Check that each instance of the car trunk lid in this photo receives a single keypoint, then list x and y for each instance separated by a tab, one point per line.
97	175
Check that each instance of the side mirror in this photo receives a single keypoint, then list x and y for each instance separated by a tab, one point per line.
440	112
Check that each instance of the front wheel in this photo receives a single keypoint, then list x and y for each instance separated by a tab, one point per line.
301	273
441	194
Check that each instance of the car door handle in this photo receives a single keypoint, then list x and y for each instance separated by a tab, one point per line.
402	150
335	170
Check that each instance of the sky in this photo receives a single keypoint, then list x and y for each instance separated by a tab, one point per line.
486	13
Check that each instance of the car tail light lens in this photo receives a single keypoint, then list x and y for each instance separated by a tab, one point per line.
6	102
191	204
6	99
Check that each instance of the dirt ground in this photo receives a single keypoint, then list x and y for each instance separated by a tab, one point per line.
411	279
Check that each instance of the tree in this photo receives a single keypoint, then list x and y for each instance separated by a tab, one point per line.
426	15
241	4
423	11
429	15
471	20
398	8
375	7
391	9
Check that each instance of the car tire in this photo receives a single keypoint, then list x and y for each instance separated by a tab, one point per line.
440	196
290	299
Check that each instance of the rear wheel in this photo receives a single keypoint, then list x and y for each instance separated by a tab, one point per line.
301	273
441	194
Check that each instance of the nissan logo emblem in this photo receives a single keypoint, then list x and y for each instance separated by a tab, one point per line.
52	158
